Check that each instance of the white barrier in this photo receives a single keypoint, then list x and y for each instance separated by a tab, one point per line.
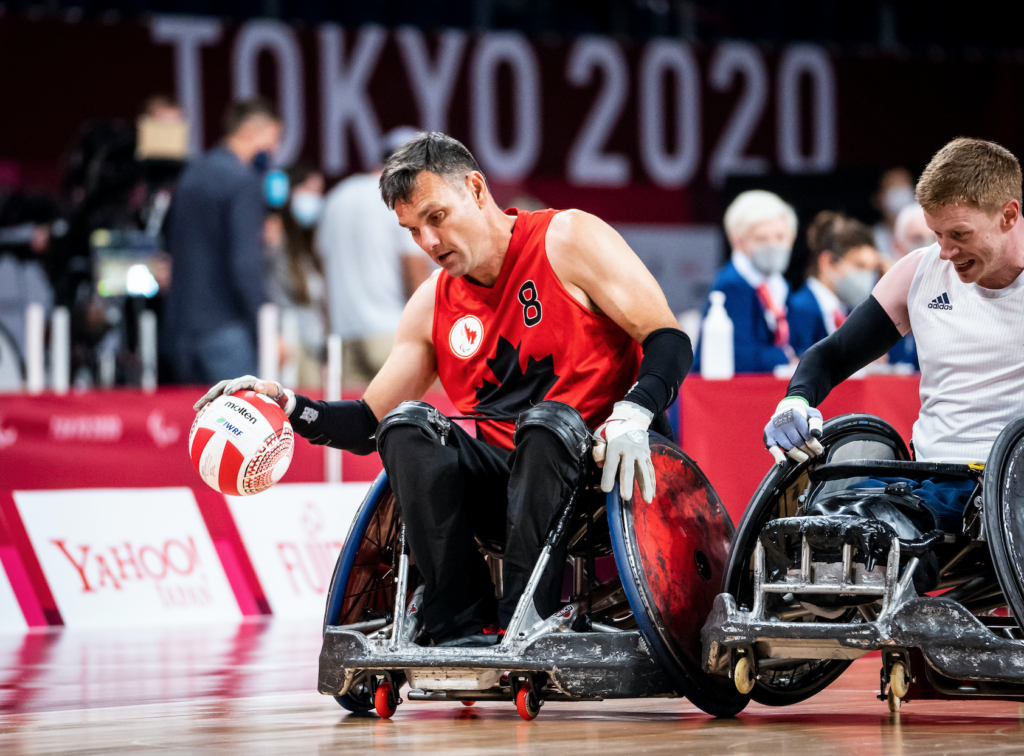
332	393
293	534
267	345
60	350
127	557
35	347
11	618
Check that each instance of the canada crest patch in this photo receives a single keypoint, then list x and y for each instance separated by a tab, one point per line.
466	336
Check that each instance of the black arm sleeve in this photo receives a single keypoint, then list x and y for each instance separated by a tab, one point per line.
340	425
668	357
865	336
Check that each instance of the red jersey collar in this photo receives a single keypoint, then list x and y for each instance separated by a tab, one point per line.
492	295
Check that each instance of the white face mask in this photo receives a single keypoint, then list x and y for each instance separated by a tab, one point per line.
307	208
855	287
770	260
897	198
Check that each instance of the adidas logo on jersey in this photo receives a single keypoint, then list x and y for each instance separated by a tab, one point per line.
940	302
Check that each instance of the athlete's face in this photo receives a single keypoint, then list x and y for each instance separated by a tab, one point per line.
976	242
447	220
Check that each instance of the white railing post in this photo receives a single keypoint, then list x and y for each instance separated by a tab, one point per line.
35	359
60	350
332	393
268	351
147	349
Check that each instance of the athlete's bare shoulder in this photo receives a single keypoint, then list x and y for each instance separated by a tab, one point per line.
893	289
418	316
596	265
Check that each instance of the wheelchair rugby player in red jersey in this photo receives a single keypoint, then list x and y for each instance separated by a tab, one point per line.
546	329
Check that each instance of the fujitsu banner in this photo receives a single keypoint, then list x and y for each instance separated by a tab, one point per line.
123	557
11	618
293	534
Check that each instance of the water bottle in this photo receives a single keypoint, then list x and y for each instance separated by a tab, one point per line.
716	356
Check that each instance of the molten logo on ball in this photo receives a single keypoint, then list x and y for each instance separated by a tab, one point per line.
241	458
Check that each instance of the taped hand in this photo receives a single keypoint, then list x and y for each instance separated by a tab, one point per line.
621	445
285	398
794	429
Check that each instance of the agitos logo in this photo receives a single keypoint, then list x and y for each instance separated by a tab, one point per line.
241	411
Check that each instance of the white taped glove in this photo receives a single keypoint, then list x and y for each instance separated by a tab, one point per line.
621	445
794	429
284	398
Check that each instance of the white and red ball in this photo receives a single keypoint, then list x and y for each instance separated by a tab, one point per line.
241	444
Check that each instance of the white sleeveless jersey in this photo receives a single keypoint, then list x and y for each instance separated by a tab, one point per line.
970	343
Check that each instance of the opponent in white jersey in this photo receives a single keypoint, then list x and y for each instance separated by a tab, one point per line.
962	297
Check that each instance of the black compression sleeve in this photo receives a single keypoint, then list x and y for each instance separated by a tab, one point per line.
865	336
668	357
340	425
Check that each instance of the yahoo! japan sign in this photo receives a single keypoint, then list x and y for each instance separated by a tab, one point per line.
127	557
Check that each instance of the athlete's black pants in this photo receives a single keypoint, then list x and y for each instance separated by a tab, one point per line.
449	492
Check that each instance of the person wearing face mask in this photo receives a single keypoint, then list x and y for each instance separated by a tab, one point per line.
895	191
761	229
843	269
215	239
295	272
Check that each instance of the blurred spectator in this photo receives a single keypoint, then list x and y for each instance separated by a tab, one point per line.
910	231
215	235
26	219
844	266
761	229
372	266
895	191
296	280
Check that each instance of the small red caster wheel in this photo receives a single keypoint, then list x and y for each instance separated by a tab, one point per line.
527	704
385	700
469	703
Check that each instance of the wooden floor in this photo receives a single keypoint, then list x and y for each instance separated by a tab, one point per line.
249	689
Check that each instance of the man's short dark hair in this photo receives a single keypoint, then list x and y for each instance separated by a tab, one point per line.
242	110
430	151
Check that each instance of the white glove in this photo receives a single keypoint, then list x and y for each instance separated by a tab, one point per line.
621	445
795	427
285	398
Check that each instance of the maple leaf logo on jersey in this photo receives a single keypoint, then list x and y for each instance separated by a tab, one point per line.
515	391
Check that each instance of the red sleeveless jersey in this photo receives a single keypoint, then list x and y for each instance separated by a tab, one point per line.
503	349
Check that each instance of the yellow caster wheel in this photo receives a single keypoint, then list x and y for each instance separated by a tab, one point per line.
743	676
894	701
899	680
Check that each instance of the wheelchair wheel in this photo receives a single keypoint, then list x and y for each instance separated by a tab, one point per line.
363	586
854	436
671	556
1003	497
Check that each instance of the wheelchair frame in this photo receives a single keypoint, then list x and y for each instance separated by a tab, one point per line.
932	646
596	662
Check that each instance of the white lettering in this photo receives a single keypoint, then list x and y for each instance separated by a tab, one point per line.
188	34
344	101
433	82
796	62
670	167
279	40
587	163
513	50
85	428
733	59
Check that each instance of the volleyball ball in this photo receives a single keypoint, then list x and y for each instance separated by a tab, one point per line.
241	444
